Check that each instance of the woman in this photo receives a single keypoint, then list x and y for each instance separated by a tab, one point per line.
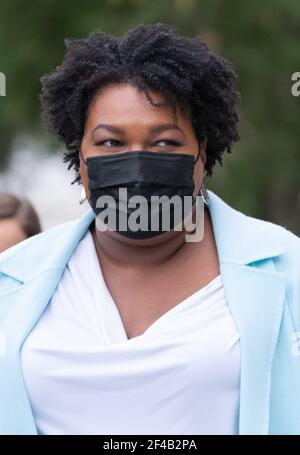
138	331
18	220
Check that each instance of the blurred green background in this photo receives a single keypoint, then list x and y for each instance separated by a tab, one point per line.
262	39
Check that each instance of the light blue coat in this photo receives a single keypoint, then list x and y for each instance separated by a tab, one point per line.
260	268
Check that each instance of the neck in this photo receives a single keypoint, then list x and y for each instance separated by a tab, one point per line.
139	253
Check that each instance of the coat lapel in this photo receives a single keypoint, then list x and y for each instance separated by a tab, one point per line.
255	292
27	304
24	306
256	299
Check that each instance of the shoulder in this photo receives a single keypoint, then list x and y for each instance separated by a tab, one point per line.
244	238
289	241
288	261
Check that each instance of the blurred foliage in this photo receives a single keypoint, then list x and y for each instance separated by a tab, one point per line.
262	39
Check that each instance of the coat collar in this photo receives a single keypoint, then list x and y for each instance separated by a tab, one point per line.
254	289
239	238
65	237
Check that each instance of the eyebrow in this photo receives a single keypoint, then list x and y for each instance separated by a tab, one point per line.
153	129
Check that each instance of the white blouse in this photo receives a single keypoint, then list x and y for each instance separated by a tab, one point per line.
84	376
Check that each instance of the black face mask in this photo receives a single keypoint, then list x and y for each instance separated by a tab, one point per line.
141	173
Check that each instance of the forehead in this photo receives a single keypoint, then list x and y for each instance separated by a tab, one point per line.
125	103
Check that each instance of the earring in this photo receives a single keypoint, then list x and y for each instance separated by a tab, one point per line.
82	197
204	194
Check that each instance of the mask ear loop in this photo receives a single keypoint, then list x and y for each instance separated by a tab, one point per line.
202	191
82	196
81	156
195	197
199	151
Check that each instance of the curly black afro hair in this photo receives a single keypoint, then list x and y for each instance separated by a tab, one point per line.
152	57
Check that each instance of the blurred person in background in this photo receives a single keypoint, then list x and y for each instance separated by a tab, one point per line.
141	332
18	220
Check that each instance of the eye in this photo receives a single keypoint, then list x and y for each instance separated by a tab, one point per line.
169	142
114	143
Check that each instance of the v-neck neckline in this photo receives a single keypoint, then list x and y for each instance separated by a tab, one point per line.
105	306
109	318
